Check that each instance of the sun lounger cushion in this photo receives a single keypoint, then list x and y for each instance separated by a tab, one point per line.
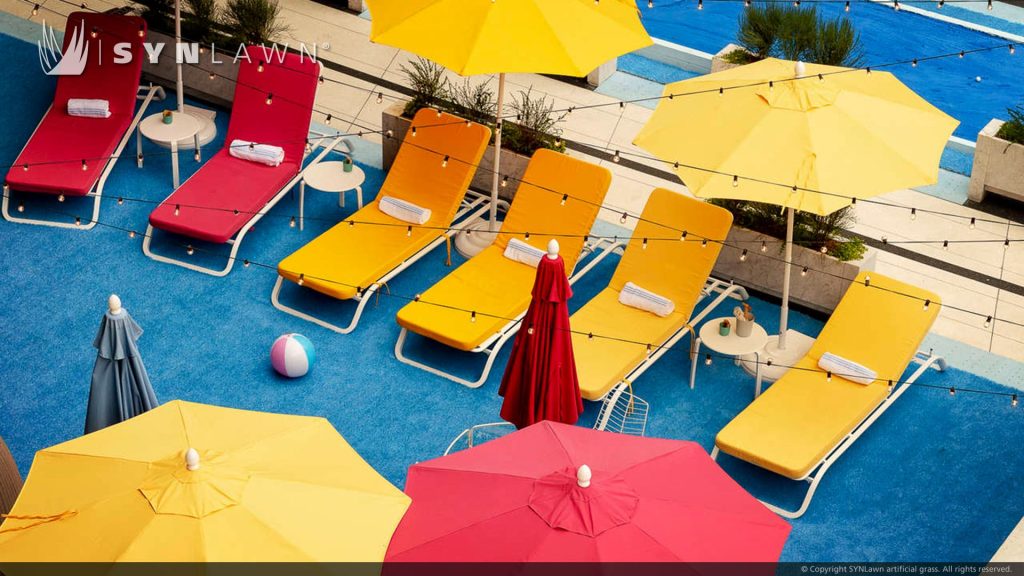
89	107
675	270
522	252
404	211
499	288
793	425
346	257
62	141
637	297
260	153
843	368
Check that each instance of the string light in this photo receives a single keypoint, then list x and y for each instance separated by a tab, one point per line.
622	220
1006	244
988	321
61	198
927	303
941	4
764	246
301	280
21	207
413	131
320	80
177	209
804	271
914	63
131	234
828	376
616	157
952	391
972	222
35	11
682	237
444	161
1013	400
704	243
190	250
259	68
743	255
700	4
472	316
945	244
504	182
564	198
644	245
735	181
380	97
408	231
707	360
989	5
196	156
867	281
85	166
212	75
847	7
270	99
913	213
291	222
78	221
94	32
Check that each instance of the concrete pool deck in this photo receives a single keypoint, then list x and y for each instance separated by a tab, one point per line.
996	285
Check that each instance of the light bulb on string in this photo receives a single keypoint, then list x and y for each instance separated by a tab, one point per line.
945	244
828	376
85	166
444	161
914	63
190	250
735	181
989	5
700	4
972	224
847	7
504	182
927	304
61	198
1006	244
952	391
764	246
408	231
270	99
988	321
650	3
196	156
1013	400
867	281
622	220
564	198
177	209
743	255
291	222
328	120
78	221
212	75
804	271
259	67
704	243
682	237
301	280
913	213
245	263
131	234
941	4
1012	49
35	11
615	157
380	97
472	316
644	245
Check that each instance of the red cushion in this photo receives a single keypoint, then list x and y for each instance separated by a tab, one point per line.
206	202
230	183
61	142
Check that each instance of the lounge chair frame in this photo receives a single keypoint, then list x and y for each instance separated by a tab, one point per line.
470	210
97	190
492	345
240	235
925	360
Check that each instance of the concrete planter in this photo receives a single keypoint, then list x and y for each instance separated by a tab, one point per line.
219	91
998	166
513	165
718	62
817	291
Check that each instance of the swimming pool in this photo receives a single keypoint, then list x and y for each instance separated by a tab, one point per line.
886	36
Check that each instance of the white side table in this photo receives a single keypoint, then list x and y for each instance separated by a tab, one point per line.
731	345
331	177
183	127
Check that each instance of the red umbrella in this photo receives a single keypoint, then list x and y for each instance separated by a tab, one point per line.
525	497
540	379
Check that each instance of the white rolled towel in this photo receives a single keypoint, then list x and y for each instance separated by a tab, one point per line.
522	252
253	152
88	108
637	297
404	211
847	369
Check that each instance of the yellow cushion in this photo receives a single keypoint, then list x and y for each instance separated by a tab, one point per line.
348	257
497	286
673	269
802	416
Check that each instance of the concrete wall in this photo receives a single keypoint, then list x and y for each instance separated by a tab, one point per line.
220	90
998	166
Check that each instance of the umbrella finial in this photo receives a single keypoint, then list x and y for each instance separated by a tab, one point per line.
552	248
583	476
800	69
192	459
114	303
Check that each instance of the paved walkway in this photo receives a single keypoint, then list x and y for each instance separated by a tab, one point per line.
343	39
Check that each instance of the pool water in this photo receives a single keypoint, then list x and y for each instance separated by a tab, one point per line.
886	36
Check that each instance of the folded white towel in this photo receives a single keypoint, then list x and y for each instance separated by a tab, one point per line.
261	153
522	252
404	211
637	297
848	369
88	108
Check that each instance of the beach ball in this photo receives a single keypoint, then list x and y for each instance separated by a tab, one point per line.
292	355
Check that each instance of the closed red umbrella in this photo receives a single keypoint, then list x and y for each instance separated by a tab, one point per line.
540	379
558	493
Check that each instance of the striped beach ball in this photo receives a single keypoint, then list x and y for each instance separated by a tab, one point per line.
292	355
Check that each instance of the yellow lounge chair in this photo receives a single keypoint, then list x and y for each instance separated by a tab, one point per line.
805	421
355	257
496	288
677	270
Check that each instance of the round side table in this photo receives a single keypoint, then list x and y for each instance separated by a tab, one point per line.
331	177
182	127
731	345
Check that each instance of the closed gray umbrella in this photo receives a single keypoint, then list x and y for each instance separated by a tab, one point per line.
120	385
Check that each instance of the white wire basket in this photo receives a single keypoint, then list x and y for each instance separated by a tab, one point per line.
623	412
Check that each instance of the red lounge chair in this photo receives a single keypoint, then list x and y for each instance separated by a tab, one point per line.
228	195
73	156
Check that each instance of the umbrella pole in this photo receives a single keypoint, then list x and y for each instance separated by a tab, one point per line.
497	153
177	42
784	314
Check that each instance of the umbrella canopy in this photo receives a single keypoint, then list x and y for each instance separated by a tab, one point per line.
253	487
540	379
571	37
559	493
120	385
850	134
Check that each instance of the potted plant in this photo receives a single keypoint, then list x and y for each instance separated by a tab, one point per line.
793	33
999	158
820	244
535	127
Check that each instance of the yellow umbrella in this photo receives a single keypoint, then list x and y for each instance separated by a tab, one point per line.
570	37
757	131
195	483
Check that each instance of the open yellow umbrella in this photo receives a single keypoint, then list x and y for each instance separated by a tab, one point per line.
804	136
570	37
195	483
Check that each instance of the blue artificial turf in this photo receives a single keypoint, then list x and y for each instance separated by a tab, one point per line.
937	478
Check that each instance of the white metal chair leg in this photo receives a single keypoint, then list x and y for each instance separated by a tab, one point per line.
146	249
275	300
492	354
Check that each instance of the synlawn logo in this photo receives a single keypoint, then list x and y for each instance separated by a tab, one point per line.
71	62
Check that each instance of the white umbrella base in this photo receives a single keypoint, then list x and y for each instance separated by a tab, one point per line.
469	245
797	345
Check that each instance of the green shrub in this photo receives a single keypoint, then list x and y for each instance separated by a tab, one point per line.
199	23
535	127
776	30
254	21
429	84
809	230
471	102
158	14
1013	129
